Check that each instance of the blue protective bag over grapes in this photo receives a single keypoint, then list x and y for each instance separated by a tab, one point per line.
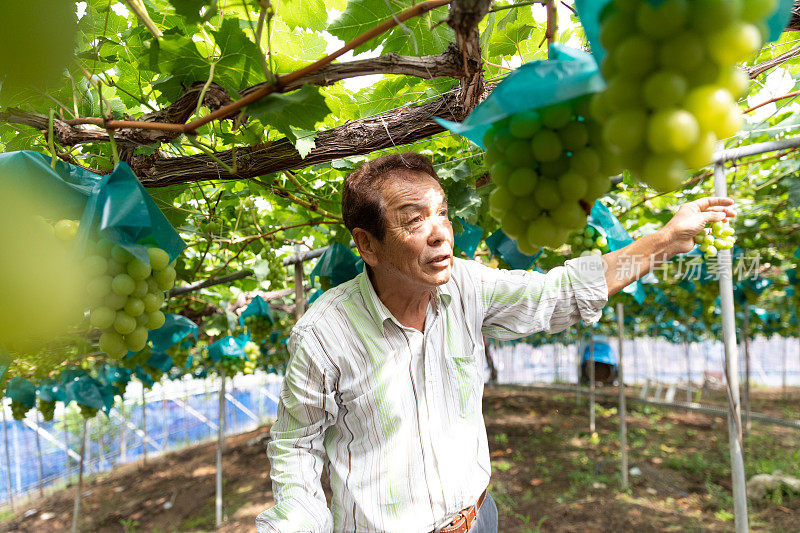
506	249
175	329
228	346
258	307
568	74
338	264
122	212
468	239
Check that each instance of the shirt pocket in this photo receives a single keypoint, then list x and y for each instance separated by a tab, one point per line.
469	379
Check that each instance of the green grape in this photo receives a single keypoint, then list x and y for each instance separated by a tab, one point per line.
757	10
614	29
98	288
165	278
596	187
634	57
622	93
546	194
546	145
556	116
113	344
124	323
710	15
664	173
159	259
115	301
524	124
525	209
141	289
662	20
156	320
102	317
500	172
734	43
47	409
664	89
134	307
138	270
501	199
625	130
700	153
572	186
672	130
137	339
123	284
555	168
682	52
95	266
513	225
568	215
120	255
152	301
585	161
574	136
522	182
518	154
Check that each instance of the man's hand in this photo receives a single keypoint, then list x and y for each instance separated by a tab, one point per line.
690	220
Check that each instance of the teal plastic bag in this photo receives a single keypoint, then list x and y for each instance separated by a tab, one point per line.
62	192
22	391
338	264
568	74
617	237
160	361
468	240
506	249
50	391
589	12
175	329
797	253
85	390
123	212
228	346
259	307
317	294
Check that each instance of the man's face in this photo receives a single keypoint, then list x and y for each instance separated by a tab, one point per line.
418	245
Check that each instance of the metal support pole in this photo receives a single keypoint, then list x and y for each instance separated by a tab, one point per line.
220	442
732	372
299	296
623	424
123	444
8	458
76	510
746	342
164	423
688	348
39	457
144	427
785	357
591	386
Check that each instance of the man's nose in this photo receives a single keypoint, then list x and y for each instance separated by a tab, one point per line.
440	228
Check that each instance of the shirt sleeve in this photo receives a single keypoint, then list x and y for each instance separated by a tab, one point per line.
517	303
306	408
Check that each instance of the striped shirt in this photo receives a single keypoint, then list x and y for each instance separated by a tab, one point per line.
396	413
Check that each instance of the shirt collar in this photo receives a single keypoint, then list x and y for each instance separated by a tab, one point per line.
378	311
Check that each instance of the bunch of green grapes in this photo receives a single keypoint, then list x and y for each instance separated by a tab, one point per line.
720	237
19	410
253	353
673	82
549	166
179	354
231	365
588	242
87	412
258	327
47	409
126	295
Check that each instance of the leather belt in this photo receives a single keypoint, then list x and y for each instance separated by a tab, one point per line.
465	518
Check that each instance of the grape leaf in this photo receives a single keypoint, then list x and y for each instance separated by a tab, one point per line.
414	36
190	10
310	14
304	141
302	109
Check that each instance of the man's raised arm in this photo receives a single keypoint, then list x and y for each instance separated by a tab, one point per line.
626	265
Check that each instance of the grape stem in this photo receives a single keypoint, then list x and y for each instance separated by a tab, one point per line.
771	100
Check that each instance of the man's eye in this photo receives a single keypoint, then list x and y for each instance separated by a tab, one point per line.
415	220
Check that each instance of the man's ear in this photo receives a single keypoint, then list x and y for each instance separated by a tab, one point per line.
367	246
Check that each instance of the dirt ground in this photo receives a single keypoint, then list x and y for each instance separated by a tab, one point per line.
549	474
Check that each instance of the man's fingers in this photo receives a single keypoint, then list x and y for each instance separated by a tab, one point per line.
729	211
710	201
714	216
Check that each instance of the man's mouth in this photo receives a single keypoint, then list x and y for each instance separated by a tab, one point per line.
440	260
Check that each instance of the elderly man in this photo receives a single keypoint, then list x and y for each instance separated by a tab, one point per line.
385	379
